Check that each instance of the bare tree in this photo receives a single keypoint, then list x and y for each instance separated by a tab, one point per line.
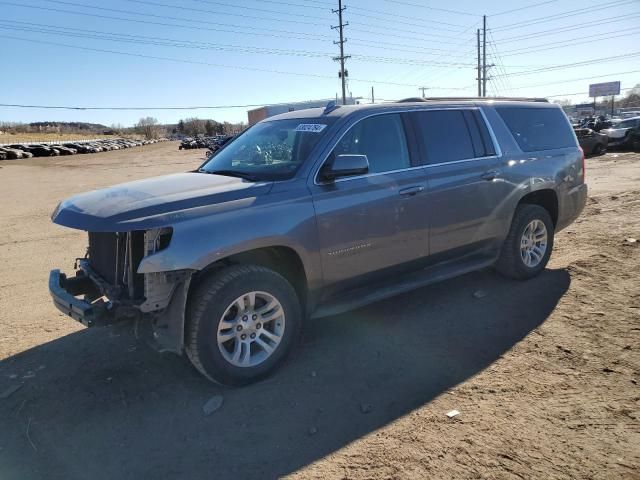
148	127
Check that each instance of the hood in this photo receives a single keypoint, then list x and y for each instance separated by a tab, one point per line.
156	202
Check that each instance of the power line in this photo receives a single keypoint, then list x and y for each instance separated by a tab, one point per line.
10	24
453	52
610	75
386	29
557	16
457	12
581	93
277	34
501	75
427	20
166	42
290	4
234	67
290	34
579	26
199	22
523	8
576	64
146	40
243	7
241	15
556	45
181	7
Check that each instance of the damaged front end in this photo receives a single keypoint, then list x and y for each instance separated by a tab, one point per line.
107	287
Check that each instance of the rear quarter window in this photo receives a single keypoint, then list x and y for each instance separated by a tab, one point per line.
538	128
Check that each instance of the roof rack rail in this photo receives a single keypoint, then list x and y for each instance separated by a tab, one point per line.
511	99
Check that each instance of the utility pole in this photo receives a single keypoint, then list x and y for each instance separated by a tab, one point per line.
484	55
423	89
343	73
479	77
613	100
373	98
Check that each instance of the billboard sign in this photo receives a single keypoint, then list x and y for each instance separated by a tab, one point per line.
604	89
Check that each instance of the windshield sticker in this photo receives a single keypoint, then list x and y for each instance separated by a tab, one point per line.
311	127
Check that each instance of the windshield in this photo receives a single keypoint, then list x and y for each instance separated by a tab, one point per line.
626	124
270	150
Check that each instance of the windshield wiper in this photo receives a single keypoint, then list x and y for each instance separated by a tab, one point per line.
232	173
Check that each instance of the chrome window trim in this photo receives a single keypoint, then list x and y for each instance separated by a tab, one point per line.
496	145
494	139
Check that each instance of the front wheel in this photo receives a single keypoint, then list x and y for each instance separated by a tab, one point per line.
598	150
243	321
527	248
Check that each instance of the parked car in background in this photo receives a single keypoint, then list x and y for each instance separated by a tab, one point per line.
43	150
624	134
71	148
592	143
11	153
64	150
79	147
319	211
26	152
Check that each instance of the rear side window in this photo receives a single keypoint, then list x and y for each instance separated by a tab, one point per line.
538	128
452	135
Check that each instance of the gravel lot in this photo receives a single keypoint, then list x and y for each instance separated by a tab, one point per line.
545	373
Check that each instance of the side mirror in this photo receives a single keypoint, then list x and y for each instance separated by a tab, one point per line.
345	166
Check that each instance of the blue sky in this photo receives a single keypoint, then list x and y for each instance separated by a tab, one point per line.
229	52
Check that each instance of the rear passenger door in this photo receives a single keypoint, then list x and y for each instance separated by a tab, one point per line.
463	167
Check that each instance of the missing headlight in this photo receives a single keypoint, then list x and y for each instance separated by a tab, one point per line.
157	239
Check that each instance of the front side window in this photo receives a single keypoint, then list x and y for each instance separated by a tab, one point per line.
381	138
627	124
272	150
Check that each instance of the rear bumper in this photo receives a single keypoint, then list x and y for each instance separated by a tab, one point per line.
572	205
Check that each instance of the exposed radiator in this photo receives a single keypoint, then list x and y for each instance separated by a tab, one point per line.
103	250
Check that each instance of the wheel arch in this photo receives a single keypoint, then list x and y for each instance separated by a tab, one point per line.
279	258
546	198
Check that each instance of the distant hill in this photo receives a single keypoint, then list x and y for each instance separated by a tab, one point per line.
69	126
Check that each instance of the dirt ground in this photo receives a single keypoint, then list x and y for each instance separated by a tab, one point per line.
545	373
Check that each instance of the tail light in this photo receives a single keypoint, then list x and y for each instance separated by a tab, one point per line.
584	170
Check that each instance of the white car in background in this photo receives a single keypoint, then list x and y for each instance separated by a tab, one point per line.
621	134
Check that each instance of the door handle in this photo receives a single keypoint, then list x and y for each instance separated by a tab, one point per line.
490	175
410	191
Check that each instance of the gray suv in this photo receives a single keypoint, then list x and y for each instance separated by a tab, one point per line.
316	212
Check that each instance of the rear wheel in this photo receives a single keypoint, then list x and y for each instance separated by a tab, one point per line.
242	323
527	248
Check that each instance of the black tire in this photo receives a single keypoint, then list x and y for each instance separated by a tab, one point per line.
207	307
598	150
510	262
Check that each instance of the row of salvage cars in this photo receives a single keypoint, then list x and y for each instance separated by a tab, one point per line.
28	150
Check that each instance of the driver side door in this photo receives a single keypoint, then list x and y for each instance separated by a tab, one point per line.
368	223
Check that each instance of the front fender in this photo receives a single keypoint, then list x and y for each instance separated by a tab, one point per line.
286	222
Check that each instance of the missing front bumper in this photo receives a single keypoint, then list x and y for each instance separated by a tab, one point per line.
64	292
89	300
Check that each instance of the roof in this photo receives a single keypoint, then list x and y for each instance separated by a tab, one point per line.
344	110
